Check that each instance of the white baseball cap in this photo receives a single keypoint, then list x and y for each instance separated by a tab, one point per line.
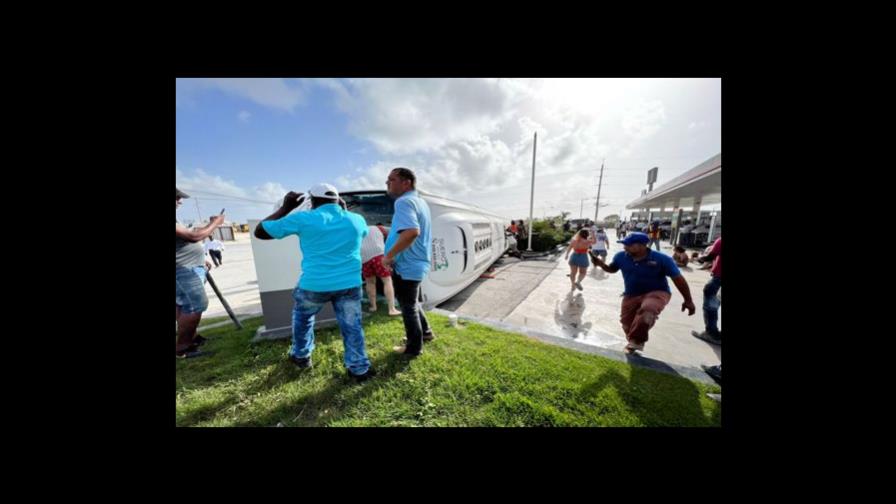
323	190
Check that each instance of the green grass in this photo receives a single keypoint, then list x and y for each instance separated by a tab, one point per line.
211	320
469	376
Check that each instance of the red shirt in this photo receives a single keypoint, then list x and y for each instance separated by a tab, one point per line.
717	262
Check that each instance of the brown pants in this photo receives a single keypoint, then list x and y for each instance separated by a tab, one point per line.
639	313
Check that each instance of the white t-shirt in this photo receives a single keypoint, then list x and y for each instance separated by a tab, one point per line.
213	245
373	244
602	241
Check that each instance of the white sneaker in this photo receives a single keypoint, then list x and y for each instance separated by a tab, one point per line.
631	347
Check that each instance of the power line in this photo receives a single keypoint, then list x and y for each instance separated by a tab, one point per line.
200	191
232	200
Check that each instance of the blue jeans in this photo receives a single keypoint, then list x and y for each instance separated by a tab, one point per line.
190	293
657	242
347	305
711	305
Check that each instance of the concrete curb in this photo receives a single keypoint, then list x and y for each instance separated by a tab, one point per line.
690	373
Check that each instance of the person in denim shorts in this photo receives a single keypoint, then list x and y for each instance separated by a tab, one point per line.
190	268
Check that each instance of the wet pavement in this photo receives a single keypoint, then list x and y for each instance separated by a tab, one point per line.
535	295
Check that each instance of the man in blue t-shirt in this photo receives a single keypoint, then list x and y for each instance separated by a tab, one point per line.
330	240
647	292
409	254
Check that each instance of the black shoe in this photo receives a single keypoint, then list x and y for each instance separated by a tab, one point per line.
427	337
191	352
403	350
364	377
714	371
715	339
302	363
199	340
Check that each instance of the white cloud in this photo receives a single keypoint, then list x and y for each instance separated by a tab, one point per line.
215	192
465	137
201	180
471	139
401	116
644	119
697	125
272	93
270	191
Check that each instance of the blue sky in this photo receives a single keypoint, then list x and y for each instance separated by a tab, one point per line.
253	144
243	143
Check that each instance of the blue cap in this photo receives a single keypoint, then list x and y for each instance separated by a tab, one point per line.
633	238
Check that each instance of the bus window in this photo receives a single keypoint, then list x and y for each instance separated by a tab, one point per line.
374	207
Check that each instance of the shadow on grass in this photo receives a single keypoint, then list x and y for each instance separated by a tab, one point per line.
658	396
258	368
306	410
237	360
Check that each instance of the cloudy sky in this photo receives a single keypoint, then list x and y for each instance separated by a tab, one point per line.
243	143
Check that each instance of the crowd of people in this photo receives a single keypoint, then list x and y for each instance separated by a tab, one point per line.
645	270
341	253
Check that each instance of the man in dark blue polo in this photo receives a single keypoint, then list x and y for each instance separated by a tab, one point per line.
646	289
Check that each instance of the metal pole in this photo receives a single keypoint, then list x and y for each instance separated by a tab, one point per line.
196	200
211	281
597	203
532	196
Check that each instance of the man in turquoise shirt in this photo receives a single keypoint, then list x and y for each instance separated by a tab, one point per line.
409	253
330	241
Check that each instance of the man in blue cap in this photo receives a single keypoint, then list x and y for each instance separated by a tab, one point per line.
646	290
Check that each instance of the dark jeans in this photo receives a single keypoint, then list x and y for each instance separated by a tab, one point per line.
216	257
407	292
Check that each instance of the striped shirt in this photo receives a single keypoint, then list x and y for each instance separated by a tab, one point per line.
373	244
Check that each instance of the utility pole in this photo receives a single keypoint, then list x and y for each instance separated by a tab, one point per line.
532	195
597	203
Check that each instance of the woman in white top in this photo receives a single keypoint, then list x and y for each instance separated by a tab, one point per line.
373	248
601	244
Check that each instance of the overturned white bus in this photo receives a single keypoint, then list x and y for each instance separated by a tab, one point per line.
466	240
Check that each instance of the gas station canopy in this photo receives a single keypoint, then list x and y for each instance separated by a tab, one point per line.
701	185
